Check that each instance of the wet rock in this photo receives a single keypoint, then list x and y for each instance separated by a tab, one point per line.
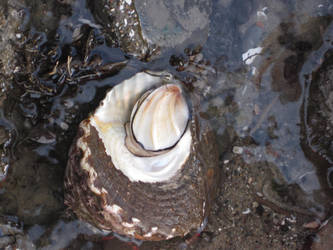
140	28
73	234
320	110
324	239
49	55
4	139
292	43
171	23
11	234
122	25
22	24
243	10
3	135
317	124
310	7
32	190
224	42
46	15
11	16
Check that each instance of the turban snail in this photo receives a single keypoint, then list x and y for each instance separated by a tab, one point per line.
143	164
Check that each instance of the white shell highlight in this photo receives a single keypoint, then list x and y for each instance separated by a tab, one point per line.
110	119
161	118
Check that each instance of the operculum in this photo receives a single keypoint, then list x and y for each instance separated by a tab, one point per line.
158	121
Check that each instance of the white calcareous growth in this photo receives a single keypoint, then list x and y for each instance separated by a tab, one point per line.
158	114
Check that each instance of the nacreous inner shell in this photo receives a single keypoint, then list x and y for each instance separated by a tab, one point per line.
159	121
115	111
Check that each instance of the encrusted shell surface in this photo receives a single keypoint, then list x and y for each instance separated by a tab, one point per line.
151	198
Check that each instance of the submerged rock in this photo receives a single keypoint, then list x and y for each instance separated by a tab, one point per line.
323	240
10	19
32	190
120	21
171	23
318	127
12	235
142	27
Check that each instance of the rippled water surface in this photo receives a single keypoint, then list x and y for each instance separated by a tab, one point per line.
252	61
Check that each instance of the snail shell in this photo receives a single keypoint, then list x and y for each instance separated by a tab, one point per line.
143	165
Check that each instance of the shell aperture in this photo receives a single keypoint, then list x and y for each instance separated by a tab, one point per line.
159	121
110	121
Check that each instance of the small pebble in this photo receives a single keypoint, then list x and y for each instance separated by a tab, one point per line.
64	125
247	211
260	194
256	109
237	150
312	225
255	204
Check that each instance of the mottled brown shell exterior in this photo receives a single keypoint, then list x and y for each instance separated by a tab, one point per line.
161	210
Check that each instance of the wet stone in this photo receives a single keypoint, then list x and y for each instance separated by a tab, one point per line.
32	189
3	135
170	23
223	42
121	21
47	14
12	235
320	110
323	240
11	15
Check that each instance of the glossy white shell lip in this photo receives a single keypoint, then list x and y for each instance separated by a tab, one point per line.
110	119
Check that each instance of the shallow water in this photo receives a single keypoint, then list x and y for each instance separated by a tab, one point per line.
254	70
